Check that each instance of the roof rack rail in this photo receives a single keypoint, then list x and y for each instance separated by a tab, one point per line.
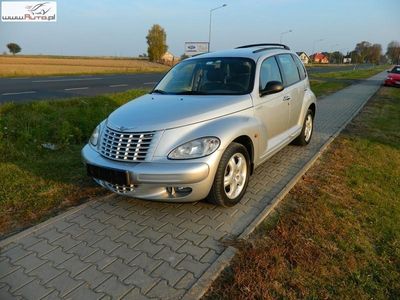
264	44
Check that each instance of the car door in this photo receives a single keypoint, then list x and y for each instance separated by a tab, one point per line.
293	87
272	110
303	86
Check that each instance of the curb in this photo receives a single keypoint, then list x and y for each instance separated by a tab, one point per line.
199	289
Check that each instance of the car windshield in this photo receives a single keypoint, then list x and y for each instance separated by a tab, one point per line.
395	70
209	76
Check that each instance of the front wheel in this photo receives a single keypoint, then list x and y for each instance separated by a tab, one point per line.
232	177
306	132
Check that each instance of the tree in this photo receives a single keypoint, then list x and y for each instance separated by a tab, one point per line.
393	51
336	57
157	43
14	48
374	54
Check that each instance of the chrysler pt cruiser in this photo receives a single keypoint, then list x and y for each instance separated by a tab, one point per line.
205	127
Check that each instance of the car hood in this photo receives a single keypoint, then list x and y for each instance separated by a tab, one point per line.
157	112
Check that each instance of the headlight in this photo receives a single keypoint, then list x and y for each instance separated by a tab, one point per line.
95	136
196	148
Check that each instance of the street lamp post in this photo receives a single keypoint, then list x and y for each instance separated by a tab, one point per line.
285	32
209	29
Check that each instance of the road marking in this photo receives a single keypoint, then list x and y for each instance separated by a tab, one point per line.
78	88
18	78
70	79
18	93
150	82
117	85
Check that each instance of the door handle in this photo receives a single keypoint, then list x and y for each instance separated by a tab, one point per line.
305	89
286	98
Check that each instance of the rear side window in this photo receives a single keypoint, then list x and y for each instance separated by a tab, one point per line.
300	67
269	72
289	69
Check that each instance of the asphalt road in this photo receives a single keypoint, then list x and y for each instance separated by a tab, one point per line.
25	89
35	88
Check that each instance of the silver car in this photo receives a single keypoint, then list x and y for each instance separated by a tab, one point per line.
205	127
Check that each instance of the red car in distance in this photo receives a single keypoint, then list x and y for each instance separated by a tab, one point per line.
393	77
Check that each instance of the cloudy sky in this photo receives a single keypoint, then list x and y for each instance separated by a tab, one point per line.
110	27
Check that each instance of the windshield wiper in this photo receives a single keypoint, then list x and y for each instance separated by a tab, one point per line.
158	92
191	93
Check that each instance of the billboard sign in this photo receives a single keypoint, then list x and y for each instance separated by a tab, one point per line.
194	48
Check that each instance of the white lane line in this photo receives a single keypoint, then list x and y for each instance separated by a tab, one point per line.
78	88
18	78
18	93
69	79
150	82
117	85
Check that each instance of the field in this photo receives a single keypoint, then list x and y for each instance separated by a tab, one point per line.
11	66
336	235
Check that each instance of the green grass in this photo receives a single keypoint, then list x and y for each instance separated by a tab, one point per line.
337	234
37	182
323	84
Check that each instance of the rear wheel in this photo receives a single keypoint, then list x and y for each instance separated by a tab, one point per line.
232	177
306	132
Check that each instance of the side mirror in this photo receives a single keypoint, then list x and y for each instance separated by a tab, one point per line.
272	87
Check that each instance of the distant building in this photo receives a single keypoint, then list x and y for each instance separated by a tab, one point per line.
320	58
304	57
169	59
347	60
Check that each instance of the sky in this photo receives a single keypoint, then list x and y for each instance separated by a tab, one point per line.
119	27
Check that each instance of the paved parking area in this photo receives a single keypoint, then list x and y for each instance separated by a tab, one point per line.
126	248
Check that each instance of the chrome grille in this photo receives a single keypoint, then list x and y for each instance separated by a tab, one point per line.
125	146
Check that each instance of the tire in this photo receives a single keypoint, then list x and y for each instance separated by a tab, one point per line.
305	136
222	192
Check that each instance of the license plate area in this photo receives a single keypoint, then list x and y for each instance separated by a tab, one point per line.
113	176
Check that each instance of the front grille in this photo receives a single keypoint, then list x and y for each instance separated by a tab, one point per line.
125	146
120	189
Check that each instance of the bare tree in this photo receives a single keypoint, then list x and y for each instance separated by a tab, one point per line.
157	42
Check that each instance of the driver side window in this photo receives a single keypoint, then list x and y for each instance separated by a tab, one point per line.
269	72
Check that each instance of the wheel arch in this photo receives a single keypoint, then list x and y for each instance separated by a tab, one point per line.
246	141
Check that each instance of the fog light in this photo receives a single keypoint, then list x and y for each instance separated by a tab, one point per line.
181	189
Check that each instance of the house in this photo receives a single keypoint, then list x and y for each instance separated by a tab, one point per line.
304	57
169	59
347	60
320	58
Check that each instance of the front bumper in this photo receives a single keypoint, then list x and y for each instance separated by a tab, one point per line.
392	82
175	181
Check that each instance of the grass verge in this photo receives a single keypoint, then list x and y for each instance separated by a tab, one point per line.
36	182
324	84
336	234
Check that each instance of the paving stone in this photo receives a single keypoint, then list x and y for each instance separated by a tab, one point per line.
96	226
163	291
66	242
195	238
5	294
142	280
80	219
112	232
171	242
100	259
82	250
42	248
75	230
51	235
192	226
170	256
145	262
46	272
30	262
193	266
64	284
57	256
209	242
16	253
29	241
84	292
125	253
16	279
113	287
135	294
120	269
74	266
106	244
151	234
130	239
195	251
209	257
171	275
172	230
186	281
90	237
53	296
6	268
133	228
148	247
92	277
33	290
